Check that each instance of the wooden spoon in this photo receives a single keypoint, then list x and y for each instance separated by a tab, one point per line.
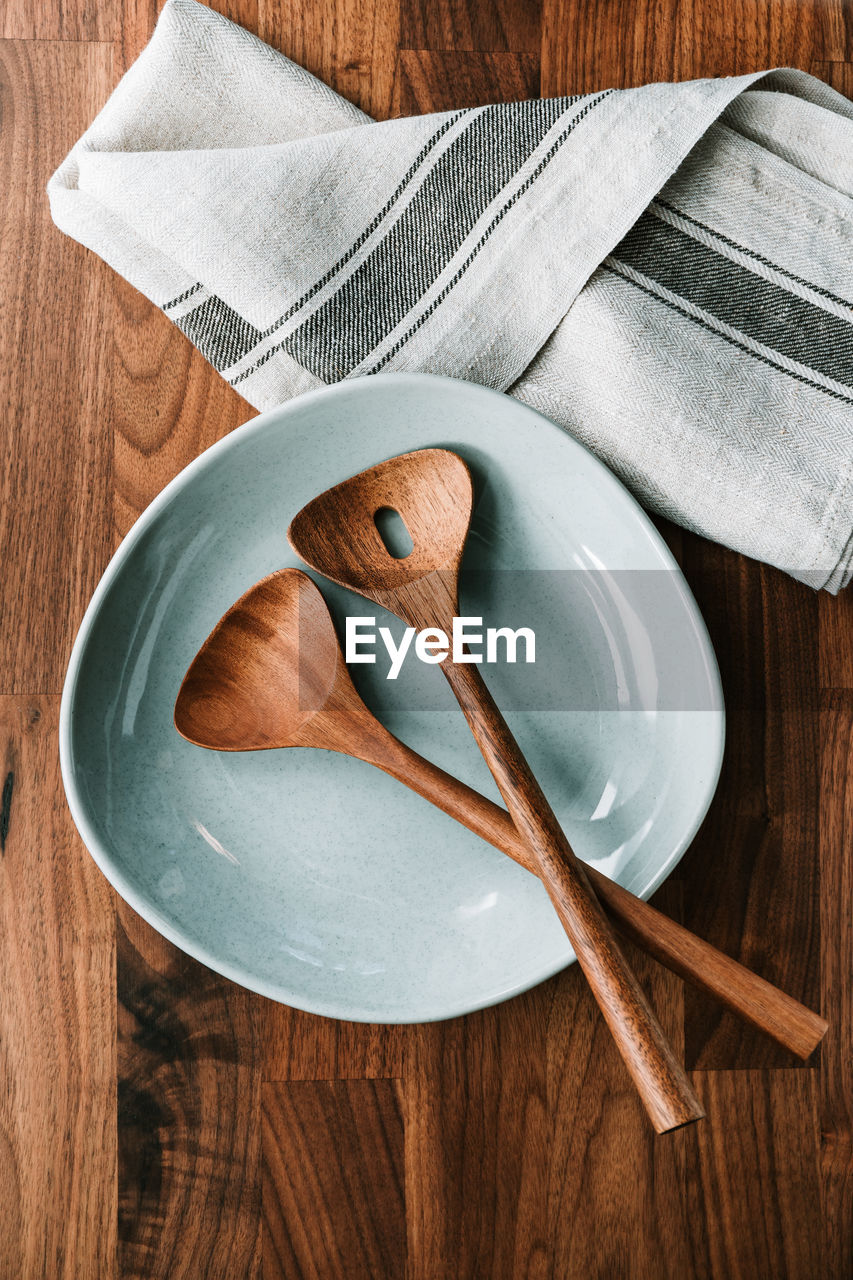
272	674
431	491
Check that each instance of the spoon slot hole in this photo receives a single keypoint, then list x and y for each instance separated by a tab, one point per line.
393	532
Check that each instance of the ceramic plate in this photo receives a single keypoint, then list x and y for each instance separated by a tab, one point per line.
313	878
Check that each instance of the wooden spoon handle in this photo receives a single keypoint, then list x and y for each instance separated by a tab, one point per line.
787	1021
659	1077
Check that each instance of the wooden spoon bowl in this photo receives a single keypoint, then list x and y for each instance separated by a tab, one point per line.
247	688
434	501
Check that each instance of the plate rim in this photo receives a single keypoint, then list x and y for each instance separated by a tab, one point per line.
104	858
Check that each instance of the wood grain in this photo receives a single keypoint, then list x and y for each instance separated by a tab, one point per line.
836	1077
54	369
839	74
587	45
57	1020
753	1178
438	25
354	51
730	1197
616	1203
188	1115
72	20
302	1046
762	905
765	1186
834	24
333	1183
168	404
428	81
835	617
478	1132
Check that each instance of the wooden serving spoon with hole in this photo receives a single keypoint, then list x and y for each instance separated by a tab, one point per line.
272	674
431	491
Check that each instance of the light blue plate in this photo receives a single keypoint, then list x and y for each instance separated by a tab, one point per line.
313	878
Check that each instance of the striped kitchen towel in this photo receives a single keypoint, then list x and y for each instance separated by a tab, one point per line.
667	272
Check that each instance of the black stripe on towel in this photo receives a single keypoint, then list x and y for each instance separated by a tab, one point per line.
761	310
499	216
182	297
614	268
222	335
756	257
464	181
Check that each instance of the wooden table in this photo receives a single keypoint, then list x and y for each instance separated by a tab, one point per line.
158	1121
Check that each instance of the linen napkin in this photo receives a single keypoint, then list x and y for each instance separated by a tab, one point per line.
667	272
